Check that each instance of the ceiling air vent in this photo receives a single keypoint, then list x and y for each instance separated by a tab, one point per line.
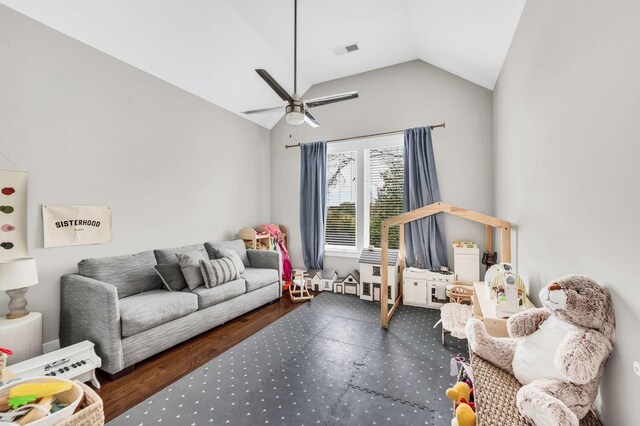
349	48
352	48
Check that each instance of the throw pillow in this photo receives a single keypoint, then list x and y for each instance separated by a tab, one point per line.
171	276
190	266
218	271
221	252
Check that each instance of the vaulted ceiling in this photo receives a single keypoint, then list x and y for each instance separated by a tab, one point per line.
211	47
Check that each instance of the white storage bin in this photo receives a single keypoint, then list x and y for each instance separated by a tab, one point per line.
72	397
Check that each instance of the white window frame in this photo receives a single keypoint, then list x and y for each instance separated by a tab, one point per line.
361	147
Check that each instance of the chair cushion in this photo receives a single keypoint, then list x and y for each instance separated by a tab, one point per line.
220	293
168	255
259	277
131	273
235	245
150	309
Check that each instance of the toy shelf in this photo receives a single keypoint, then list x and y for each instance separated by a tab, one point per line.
253	237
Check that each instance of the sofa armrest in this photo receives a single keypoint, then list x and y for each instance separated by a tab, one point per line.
89	311
266	259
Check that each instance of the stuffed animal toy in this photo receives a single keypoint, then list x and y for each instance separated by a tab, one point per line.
459	391
465	415
557	352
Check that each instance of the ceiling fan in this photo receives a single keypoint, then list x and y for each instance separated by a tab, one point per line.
296	109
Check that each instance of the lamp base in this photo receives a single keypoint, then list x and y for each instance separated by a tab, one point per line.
17	303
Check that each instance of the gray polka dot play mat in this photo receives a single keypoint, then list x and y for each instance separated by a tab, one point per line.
326	363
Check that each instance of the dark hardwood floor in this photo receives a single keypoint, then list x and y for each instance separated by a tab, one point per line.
165	368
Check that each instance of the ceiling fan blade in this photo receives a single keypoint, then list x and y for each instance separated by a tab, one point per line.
274	85
308	118
310	103
255	111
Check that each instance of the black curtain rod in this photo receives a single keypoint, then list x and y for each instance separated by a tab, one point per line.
433	126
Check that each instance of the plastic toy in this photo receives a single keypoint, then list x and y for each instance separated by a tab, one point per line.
459	391
465	415
23	394
19	401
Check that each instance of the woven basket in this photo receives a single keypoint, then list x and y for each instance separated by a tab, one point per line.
90	411
495	397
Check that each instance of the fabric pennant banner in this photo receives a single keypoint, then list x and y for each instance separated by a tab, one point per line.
76	225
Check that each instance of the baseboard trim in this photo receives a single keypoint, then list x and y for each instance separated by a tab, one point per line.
54	345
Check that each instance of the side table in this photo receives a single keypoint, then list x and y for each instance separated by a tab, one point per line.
23	336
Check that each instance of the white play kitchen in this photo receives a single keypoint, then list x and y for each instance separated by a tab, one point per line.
427	288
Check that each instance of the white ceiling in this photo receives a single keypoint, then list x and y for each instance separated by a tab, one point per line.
211	47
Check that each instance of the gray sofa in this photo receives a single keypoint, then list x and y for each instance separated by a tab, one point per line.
120	303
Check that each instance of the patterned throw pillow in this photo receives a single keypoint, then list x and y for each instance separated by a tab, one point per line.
218	271
190	265
220	252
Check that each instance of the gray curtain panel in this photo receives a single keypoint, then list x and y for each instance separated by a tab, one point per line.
424	238
313	208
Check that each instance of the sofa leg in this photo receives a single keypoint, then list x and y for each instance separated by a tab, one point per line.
121	373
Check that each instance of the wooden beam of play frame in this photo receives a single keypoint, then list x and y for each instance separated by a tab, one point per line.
490	222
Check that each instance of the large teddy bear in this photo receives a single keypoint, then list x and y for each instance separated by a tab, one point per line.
557	352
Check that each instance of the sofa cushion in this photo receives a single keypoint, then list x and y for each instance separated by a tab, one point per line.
235	245
220	293
168	255
171	276
150	309
131	273
259	277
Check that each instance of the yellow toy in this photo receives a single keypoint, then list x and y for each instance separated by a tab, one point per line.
465	415
460	390
39	390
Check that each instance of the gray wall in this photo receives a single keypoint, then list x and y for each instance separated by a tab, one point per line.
567	151
92	130
406	95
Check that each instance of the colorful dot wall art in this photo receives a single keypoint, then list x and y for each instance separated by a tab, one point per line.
13	214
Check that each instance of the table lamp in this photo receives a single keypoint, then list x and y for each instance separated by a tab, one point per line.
15	276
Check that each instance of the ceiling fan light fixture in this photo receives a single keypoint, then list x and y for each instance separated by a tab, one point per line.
295	114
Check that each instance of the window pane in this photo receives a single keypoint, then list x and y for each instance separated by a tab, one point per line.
386	182
341	199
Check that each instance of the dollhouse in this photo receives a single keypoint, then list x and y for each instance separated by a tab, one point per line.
370	274
308	279
328	277
321	279
348	284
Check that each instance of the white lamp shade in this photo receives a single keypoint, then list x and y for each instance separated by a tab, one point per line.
18	273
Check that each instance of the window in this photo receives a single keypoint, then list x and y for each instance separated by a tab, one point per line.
385	188
366	289
376	271
365	182
341	200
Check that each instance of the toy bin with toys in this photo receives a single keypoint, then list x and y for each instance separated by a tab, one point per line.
46	401
461	393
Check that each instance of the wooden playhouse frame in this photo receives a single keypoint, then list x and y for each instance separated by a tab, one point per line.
489	222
